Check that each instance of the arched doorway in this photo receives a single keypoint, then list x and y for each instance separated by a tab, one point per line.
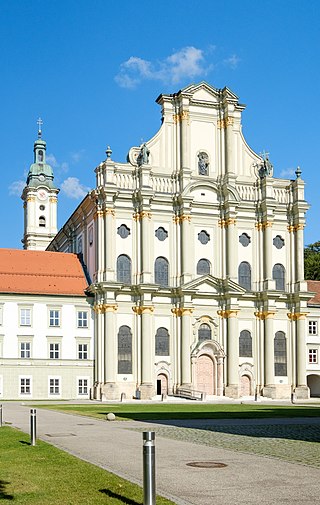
313	382
245	385
162	384
205	375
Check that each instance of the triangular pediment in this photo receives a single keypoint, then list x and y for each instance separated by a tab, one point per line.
210	284
202	92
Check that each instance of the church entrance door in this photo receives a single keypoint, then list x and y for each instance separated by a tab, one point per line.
205	374
245	385
162	384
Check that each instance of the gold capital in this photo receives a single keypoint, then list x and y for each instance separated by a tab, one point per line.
110	307
262	315
295	316
109	212
227	313
140	309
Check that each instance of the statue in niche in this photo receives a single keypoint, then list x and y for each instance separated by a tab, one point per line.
143	156
203	163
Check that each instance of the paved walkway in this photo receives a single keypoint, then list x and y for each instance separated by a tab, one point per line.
117	446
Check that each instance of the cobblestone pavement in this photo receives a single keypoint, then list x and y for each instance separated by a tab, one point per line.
297	443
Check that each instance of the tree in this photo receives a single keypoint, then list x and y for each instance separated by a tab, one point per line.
312	262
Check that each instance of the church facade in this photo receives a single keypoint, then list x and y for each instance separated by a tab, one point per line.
195	254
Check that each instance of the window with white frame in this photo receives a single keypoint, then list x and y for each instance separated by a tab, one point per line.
82	351
1	386
82	319
313	327
1	315
25	385
25	317
54	386
54	350
25	350
54	317
82	386
313	355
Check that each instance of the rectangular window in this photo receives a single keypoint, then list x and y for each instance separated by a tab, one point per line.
313	327
82	386
54	350
25	317
82	319
54	386
313	355
25	350
25	386
83	351
1	316
54	318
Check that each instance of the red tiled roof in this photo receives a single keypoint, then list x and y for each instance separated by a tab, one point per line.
314	287
41	272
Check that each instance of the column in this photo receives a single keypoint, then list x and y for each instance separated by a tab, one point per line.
299	251
110	341
186	253
147	352
267	251
302	390
185	346
109	244
268	353
220	376
146	270
99	245
99	350
228	124
232	388
232	248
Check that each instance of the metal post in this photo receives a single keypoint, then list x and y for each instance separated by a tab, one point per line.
149	468
33	426
0	415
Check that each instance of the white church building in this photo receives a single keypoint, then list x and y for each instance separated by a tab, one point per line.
195	254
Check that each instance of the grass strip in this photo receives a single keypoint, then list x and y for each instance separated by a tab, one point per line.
45	475
166	411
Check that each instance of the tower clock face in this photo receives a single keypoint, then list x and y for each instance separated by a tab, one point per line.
42	194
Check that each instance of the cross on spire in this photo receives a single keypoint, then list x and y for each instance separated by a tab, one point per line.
39	123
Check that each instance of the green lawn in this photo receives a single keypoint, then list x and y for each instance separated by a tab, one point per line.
44	475
164	411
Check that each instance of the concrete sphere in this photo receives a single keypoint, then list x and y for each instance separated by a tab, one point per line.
111	416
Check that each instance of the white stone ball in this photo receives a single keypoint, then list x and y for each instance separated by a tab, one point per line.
111	416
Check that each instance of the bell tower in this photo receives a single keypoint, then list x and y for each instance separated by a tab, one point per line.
40	200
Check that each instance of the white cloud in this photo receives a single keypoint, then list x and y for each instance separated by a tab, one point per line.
188	62
287	173
232	61
73	189
51	160
77	156
16	188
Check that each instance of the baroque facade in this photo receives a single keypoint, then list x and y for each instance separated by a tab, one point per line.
195	253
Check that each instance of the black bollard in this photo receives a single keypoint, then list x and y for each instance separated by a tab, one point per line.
149	468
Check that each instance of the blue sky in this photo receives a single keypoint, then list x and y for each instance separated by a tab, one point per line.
93	69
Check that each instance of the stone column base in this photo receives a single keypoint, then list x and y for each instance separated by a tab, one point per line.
95	392
277	391
232	391
302	393
147	391
110	391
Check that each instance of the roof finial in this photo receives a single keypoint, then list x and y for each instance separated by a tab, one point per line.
298	172
39	123
108	153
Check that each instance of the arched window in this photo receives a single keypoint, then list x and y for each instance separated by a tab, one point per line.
278	275
245	344
280	354
124	269
161	271
203	267
162	342
40	156
42	221
204	332
124	350
244	275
